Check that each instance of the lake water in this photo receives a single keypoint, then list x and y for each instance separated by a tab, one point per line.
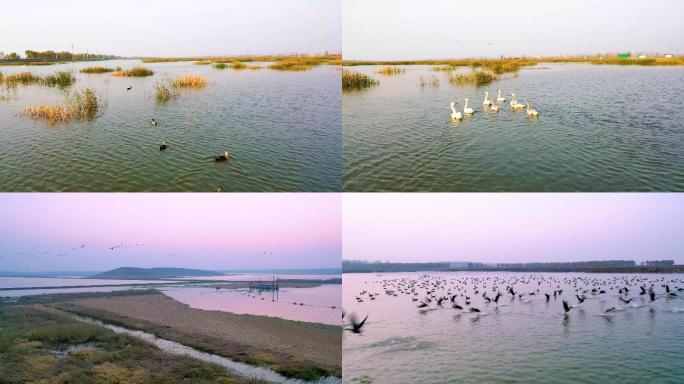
601	128
28	282
320	304
521	340
283	128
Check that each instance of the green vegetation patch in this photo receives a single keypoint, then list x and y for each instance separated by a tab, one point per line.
357	80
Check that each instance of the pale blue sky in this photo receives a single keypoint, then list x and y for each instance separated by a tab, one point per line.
408	29
172	27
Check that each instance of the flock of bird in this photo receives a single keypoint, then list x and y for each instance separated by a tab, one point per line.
489	104
486	293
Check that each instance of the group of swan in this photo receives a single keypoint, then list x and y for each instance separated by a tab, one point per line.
489	104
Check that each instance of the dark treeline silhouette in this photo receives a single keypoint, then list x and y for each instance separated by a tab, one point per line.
378	266
50	56
623	266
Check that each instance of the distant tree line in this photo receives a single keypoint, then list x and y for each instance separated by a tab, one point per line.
360	266
58	56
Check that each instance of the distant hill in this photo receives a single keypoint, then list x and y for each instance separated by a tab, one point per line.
132	273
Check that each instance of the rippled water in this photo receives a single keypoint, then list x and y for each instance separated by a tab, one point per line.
241	369
521	340
283	128
601	128
320	304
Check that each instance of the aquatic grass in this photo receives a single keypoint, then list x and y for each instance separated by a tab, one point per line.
96	70
238	65
432	82
443	68
23	78
390	71
189	81
134	72
60	79
202	62
475	77
79	105
220	65
357	80
291	65
164	92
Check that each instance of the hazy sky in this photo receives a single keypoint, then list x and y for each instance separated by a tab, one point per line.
212	231
410	29
172	27
499	227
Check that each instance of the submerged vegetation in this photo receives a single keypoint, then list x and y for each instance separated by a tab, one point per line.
169	89
357	80
96	70
60	79
43	345
390	70
432	82
134	72
474	77
78	105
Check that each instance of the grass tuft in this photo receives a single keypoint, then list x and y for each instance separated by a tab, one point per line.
390	71
134	72
357	80
164	92
96	70
189	81
475	77
432	82
61	79
79	105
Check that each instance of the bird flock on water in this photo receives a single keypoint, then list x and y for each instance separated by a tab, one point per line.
493	106
485	294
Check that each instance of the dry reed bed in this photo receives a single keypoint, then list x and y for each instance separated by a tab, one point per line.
58	79
78	105
391	70
357	80
134	72
475	77
96	70
169	89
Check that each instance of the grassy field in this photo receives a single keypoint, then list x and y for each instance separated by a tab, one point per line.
42	345
278	359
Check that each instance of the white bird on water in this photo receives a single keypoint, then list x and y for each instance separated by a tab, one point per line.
531	112
455	115
466	110
500	99
515	104
486	101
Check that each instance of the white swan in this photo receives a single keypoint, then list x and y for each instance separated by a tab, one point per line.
531	112
466	110
455	115
494	108
500	99
515	104
486	101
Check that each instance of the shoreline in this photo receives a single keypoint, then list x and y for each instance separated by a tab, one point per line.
294	349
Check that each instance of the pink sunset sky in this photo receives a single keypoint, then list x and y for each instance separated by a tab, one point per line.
209	231
500	227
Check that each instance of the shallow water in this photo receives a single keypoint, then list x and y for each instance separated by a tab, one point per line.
601	128
314	305
519	340
283	128
28	282
237	368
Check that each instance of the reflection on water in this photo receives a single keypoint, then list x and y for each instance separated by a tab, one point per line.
315	305
519	340
241	369
601	128
283	128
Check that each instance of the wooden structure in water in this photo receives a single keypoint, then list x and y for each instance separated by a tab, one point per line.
260	285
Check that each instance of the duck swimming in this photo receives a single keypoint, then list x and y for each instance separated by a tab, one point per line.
154	122
162	145
223	157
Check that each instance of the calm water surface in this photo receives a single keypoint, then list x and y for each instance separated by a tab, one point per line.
521	340
283	127
314	305
601	128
